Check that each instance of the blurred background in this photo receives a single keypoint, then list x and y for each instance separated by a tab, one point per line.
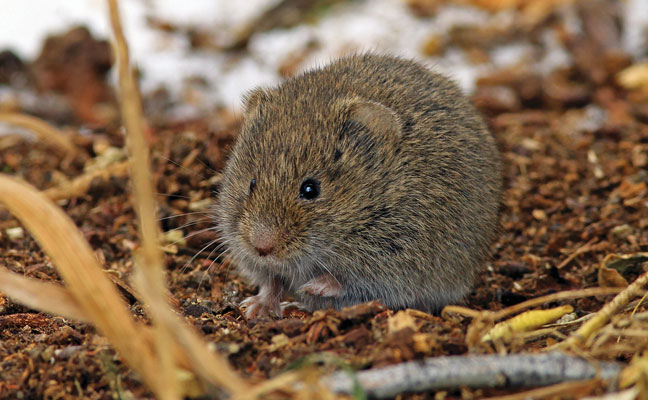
199	55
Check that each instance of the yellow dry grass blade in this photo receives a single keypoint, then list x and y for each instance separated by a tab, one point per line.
149	273
39	295
602	317
144	204
634	373
634	77
41	128
538	301
80	185
525	322
84	277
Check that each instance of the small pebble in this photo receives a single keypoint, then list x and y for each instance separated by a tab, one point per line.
15	233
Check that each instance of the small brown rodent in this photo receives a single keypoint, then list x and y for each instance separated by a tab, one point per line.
372	178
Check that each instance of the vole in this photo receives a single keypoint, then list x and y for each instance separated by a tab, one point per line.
371	178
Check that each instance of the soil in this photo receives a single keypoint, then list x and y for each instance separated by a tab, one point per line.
575	146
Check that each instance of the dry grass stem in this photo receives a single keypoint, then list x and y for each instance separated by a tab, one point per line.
640	302
538	333
483	320
583	249
420	314
41	128
613	350
525	322
167	386
465	311
151	280
207	365
80	185
636	372
283	381
566	295
497	315
39	295
79	268
603	316
566	324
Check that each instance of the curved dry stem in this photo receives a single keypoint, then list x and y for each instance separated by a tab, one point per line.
465	311
603	316
84	277
150	271
41	128
80	185
497	315
39	295
570	294
142	184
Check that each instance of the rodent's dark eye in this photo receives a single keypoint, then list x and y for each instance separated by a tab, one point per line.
252	185
309	189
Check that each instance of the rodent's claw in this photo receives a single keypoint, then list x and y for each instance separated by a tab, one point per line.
261	306
324	286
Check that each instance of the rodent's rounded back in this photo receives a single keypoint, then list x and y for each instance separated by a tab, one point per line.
407	175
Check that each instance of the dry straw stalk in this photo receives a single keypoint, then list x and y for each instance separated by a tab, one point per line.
593	325
167	386
84	277
149	275
80	185
41	128
40	295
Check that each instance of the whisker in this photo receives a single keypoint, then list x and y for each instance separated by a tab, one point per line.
192	234
206	273
174	163
173	195
184	267
207	166
190	223
320	263
226	245
184	215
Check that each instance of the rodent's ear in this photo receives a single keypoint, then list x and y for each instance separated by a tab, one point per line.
253	98
379	118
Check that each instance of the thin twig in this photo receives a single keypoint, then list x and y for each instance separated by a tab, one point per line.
149	274
80	185
538	301
484	371
601	318
167	386
39	295
83	275
583	249
41	128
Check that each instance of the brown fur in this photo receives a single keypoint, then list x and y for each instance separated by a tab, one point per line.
410	187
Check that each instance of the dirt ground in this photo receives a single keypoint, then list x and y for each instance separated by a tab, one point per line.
575	147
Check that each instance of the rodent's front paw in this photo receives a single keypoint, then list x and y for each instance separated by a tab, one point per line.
261	306
324	285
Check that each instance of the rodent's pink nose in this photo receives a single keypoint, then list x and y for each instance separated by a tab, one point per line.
263	242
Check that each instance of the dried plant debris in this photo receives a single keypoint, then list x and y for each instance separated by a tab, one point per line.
471	371
575	215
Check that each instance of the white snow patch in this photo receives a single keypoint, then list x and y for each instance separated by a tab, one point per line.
385	26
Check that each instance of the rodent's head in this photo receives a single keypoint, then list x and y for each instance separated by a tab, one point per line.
304	167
